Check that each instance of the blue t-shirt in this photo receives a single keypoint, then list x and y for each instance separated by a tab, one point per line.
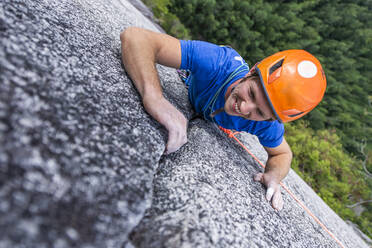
210	65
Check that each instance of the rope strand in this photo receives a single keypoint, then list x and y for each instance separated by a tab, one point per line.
231	134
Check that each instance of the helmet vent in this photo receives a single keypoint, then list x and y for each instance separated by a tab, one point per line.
294	115
292	112
276	66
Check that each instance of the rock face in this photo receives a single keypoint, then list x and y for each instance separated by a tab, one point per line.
81	162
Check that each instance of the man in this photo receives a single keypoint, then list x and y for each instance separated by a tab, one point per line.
281	88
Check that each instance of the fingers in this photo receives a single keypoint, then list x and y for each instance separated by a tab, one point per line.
171	118
273	193
277	200
176	139
269	193
259	177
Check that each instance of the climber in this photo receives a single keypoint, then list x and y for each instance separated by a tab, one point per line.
280	88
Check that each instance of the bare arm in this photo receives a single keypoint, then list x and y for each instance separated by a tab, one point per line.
141	49
279	161
277	168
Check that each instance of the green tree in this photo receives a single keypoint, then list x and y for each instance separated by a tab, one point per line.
337	177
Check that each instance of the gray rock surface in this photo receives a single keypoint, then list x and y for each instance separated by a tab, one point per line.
81	162
205	196
147	13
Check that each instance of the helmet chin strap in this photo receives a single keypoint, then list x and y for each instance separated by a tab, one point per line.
216	112
210	105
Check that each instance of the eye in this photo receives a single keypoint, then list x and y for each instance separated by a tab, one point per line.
251	93
259	112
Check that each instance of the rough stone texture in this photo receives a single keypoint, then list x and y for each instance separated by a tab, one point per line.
81	162
205	196
77	150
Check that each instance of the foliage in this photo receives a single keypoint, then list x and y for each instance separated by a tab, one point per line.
337	177
166	19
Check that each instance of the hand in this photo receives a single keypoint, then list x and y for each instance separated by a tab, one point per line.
171	118
273	193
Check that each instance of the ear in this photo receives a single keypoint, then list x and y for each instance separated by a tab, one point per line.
252	70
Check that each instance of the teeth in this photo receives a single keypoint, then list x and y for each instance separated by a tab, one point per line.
237	108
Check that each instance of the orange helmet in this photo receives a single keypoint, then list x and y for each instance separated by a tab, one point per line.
294	83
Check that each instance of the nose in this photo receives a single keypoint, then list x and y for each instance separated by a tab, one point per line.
247	107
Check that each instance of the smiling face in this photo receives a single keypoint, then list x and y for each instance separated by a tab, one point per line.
247	99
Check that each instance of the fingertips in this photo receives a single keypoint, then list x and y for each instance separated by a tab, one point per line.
174	143
277	201
269	193
258	177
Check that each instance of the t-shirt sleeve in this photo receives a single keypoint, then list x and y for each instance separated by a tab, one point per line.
200	56
271	135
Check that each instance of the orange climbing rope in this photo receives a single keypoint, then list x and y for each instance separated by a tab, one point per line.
231	134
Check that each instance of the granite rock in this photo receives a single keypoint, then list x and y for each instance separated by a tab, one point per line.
77	150
205	196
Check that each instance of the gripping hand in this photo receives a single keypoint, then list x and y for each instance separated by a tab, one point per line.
273	193
172	119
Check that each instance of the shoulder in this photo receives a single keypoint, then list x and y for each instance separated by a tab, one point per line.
198	44
201	53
